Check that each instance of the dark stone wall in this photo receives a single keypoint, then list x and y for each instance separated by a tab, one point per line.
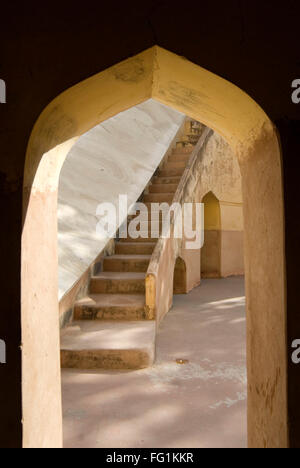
46	47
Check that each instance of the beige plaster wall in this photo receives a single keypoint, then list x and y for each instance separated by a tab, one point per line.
223	252
119	156
211	254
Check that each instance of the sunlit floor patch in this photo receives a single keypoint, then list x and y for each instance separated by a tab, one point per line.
199	404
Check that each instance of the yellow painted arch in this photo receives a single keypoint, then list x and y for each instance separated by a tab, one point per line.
186	87
158	74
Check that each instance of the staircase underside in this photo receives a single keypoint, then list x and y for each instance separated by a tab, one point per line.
110	328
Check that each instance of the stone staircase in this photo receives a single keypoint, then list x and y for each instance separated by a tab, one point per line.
110	329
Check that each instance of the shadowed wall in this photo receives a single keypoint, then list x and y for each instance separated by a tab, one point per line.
211	250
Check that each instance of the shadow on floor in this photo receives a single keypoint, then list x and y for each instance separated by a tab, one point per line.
201	403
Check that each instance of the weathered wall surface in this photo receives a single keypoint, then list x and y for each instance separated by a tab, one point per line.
221	175
211	250
223	251
118	156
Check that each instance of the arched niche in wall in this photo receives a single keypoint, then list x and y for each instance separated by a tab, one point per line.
211	250
180	286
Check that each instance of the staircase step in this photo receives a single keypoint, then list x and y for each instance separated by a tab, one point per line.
118	283
166	180
145	224
108	345
179	157
151	207
158	198
134	248
182	148
110	307
194	133
193	137
163	188
171	172
142	216
127	263
145	214
175	165
142	240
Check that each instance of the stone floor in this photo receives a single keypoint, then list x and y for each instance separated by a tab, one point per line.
201	403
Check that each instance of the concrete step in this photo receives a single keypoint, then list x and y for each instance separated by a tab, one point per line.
163	188
158	198
108	345
142	240
166	180
110	307
151	207
118	283
183	148
134	248
175	165
146	224
194	133
179	157
142	216
145	214
183	139
171	172
193	137
127	263
143	219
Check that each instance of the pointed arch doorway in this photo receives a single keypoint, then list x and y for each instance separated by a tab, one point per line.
205	97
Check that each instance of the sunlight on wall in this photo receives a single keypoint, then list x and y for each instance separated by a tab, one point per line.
117	157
